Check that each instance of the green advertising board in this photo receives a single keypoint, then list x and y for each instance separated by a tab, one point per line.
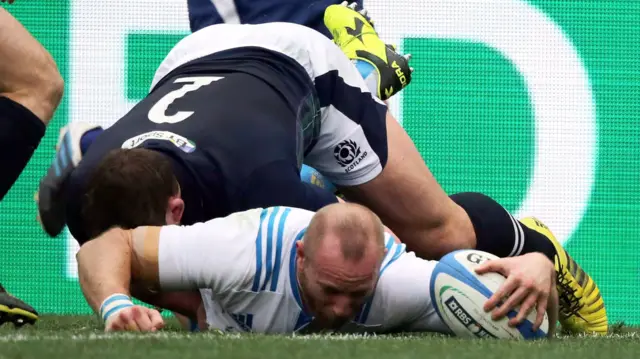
536	103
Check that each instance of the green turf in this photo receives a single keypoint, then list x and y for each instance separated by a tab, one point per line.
80	337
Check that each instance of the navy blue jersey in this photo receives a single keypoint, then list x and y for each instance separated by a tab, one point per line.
310	13
224	151
237	109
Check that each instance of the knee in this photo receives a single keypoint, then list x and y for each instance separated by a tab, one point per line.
442	233
454	233
49	89
42	92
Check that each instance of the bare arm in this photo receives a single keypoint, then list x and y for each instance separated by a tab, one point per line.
126	262
108	264
213	255
28	74
104	266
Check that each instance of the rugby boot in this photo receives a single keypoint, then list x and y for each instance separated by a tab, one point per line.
385	71
582	308
15	311
51	191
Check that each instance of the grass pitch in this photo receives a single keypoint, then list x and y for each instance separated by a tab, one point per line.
70	337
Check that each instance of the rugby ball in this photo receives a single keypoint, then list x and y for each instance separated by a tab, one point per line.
458	294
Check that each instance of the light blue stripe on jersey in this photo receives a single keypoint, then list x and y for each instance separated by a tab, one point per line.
397	249
256	278
390	242
302	321
364	314
293	275
269	267
276	265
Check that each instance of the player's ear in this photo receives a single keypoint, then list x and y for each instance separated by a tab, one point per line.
300	255
175	210
300	249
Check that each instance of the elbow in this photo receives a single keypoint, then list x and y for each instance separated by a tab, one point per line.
112	245
113	238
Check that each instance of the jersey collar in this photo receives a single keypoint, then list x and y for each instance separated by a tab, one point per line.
293	274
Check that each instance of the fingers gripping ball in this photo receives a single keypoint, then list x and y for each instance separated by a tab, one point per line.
458	294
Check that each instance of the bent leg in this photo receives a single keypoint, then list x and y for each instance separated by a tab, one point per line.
410	201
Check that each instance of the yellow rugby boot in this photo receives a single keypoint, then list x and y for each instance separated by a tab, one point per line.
581	305
15	311
385	71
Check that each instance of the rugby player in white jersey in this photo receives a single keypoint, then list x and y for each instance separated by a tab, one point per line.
282	270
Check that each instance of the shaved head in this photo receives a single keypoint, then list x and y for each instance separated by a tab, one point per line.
351	227
338	262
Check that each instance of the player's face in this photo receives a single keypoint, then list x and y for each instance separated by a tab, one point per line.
333	289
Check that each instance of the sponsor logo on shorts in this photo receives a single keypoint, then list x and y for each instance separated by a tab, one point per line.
182	143
349	155
463	317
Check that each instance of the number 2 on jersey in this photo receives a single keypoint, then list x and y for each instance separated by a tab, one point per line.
157	112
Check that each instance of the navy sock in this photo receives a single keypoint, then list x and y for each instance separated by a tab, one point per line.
20	135
497	232
87	139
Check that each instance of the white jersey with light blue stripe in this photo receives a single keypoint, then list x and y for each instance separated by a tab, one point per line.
245	265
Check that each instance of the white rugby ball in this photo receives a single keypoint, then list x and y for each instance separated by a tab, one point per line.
459	294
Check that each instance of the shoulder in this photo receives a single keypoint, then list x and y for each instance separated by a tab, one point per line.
286	223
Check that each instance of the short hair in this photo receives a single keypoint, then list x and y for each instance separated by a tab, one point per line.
357	227
128	188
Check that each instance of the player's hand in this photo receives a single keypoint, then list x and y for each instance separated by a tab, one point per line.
530	282
135	319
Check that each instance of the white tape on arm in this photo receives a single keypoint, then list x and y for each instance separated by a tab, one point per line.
113	304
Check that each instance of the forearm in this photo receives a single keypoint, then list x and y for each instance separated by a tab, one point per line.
28	74
104	266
